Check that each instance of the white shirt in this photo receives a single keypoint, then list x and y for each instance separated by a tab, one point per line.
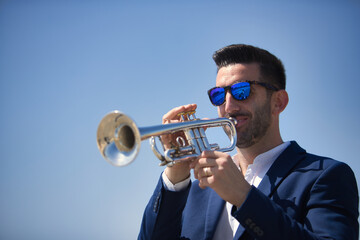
255	172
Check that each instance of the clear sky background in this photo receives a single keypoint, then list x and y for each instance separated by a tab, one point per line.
65	64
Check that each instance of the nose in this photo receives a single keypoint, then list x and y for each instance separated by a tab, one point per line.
231	103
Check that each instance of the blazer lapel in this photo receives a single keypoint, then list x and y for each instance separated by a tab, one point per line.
281	168
215	208
239	232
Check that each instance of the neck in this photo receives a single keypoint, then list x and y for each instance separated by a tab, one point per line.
246	156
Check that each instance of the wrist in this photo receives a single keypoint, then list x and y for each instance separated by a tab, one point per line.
176	175
242	196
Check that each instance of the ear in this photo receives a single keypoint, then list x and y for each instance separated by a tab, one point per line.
280	99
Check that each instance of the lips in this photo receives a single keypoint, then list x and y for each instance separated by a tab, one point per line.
241	120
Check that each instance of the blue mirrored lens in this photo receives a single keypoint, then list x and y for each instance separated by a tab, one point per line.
217	96
241	90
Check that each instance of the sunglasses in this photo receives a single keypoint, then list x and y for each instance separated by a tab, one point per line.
239	91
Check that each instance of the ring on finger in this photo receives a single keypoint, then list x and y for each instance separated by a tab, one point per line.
207	171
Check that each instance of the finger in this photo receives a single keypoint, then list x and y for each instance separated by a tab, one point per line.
190	107
212	154
204	172
206	182
192	166
206	160
200	163
173	113
194	162
203	162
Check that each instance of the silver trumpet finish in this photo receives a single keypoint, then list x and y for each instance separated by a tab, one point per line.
119	138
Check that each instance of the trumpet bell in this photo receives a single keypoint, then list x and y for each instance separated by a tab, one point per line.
118	139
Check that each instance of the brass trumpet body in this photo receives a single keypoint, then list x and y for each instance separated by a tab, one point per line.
119	138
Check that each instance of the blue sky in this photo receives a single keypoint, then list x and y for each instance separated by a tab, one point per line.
65	64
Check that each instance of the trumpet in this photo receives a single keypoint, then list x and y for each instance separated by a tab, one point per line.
119	138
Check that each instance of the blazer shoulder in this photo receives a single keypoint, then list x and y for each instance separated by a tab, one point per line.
310	160
325	163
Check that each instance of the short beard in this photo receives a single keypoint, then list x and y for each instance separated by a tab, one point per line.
257	128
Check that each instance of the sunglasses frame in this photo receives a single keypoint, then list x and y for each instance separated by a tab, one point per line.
228	88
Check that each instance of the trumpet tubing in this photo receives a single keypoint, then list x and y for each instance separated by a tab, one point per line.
119	138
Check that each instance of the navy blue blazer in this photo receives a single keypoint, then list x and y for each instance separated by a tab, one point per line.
302	196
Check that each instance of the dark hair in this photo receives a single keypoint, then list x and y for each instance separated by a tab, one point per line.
271	68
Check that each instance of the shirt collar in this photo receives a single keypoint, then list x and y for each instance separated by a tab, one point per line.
262	163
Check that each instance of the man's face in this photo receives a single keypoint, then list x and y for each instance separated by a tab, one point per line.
253	114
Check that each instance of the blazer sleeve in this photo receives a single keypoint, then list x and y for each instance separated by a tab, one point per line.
331	211
163	214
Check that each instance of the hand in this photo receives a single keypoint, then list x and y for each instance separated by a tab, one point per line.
181	170
218	171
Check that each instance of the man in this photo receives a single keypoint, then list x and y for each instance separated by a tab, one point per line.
270	189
